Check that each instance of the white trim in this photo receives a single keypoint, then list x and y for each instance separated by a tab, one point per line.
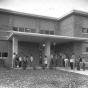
10	35
49	36
85	33
85	53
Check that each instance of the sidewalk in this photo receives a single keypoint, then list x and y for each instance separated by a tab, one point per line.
64	69
74	70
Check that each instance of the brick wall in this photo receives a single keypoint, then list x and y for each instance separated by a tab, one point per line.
67	48
27	48
67	26
78	48
77	26
24	48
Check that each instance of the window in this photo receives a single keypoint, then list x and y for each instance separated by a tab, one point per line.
46	32
41	31
86	49
87	30
15	28
0	54
27	29
33	30
4	54
21	29
51	32
0	28
84	30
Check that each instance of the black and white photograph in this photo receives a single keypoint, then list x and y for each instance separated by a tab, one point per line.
43	43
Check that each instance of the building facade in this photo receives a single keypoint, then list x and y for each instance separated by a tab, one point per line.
27	34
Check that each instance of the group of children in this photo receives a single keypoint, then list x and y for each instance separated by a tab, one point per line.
19	61
73	61
62	59
65	61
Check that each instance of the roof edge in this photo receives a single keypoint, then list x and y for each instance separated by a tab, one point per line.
26	14
72	12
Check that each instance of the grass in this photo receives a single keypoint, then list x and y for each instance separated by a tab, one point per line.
41	79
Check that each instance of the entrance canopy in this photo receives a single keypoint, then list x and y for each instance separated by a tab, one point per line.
36	37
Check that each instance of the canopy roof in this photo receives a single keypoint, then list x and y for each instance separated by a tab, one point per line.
36	37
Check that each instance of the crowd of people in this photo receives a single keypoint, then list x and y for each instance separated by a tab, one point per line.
19	61
63	59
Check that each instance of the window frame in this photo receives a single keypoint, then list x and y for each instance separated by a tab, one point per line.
15	27
31	30
47	31
84	31
21	28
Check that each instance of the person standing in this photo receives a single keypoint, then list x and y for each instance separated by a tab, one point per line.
17	61
31	60
56	60
61	60
72	61
83	60
25	61
45	61
78	63
20	61
51	60
13	61
66	62
40	60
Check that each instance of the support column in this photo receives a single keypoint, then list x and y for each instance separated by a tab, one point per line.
47	51
15	48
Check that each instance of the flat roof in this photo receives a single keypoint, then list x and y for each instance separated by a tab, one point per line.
73	12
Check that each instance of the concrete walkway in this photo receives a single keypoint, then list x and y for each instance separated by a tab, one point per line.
65	69
74	70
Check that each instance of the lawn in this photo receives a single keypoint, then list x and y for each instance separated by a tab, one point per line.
41	79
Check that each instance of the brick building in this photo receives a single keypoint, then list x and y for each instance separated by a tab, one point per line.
26	34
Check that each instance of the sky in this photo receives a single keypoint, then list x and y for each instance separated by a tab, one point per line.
51	8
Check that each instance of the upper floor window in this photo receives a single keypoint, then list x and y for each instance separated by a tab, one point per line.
21	29
86	49
27	29
46	32
51	32
85	30
41	31
15	28
33	30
